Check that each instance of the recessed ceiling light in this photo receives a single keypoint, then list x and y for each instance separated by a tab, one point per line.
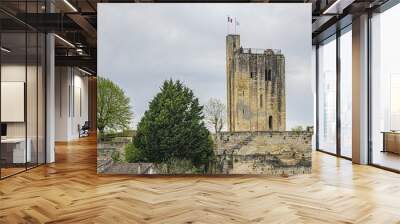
70	5
337	7
64	40
5	50
84	71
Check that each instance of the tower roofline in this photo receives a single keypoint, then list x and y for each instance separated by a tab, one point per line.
259	51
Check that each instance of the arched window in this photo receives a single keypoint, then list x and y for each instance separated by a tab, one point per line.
261	101
270	122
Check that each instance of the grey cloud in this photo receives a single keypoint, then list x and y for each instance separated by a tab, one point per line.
140	45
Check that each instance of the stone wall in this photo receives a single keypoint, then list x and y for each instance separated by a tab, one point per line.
269	152
274	153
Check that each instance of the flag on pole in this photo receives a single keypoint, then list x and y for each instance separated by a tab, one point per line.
236	24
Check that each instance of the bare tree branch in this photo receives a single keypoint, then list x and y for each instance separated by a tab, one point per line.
215	115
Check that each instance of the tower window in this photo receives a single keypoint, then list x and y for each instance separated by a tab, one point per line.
261	101
243	93
253	75
270	122
268	75
243	112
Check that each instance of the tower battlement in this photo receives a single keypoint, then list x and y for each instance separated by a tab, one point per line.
242	50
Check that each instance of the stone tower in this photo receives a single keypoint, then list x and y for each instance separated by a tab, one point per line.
256	88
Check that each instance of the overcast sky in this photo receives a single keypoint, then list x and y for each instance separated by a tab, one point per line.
140	45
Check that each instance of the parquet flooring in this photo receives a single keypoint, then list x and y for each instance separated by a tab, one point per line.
11	170
70	191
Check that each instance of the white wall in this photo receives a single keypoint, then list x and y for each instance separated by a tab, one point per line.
12	73
16	73
71	94
34	125
62	81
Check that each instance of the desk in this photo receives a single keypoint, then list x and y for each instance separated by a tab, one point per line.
13	150
391	142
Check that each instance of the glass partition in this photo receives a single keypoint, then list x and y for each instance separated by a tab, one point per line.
13	94
327	95
385	89
22	78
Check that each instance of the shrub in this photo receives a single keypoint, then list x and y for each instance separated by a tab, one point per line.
178	166
298	129
131	153
116	156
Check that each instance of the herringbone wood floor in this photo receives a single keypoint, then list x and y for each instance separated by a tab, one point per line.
70	191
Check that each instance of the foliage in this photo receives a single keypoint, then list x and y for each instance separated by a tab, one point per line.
178	166
128	133
116	156
111	135
173	127
131	153
298	129
113	107
214	112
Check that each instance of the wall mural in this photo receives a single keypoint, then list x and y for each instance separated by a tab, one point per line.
204	89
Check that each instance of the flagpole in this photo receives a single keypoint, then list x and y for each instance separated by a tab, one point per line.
227	26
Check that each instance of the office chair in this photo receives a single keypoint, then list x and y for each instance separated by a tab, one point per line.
84	130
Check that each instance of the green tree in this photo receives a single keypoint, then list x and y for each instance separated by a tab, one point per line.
298	128
113	106
132	153
173	128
